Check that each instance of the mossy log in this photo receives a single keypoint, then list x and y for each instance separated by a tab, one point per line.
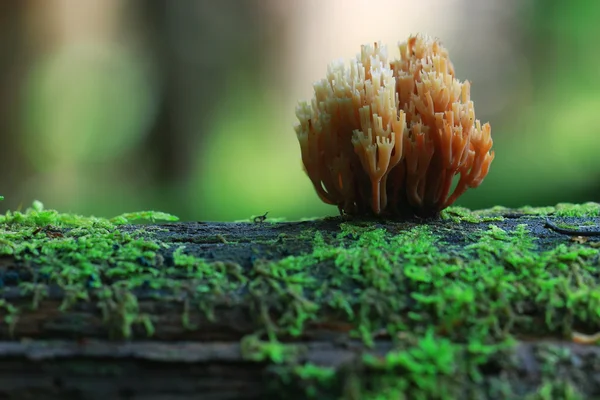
492	304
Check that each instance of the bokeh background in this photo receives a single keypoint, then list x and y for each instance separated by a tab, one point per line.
187	106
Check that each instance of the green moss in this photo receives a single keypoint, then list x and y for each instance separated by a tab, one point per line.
565	210
589	209
10	314
438	302
428	369
151	216
553	389
577	210
37	216
423	366
306	381
258	350
314	372
528	210
85	257
474	291
461	214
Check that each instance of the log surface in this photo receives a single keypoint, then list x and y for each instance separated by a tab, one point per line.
59	344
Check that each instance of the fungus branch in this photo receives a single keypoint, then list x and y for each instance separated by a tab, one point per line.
391	136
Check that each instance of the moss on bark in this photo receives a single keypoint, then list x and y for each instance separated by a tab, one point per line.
482	304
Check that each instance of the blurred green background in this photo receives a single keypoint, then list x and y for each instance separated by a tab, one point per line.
109	106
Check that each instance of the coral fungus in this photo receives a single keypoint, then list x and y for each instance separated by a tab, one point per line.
389	137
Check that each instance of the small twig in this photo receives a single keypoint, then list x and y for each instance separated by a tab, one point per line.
572	232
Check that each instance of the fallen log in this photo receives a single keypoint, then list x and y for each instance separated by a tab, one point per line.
488	304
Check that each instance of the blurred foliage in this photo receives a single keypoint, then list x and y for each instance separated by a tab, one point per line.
253	164
85	104
547	150
166	121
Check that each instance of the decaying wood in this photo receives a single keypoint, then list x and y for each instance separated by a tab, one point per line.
98	369
51	353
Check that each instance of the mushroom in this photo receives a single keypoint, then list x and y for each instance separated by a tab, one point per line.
388	138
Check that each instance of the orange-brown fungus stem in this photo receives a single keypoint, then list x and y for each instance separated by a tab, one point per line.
389	137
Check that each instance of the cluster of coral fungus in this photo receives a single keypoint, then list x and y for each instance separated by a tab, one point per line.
389	137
